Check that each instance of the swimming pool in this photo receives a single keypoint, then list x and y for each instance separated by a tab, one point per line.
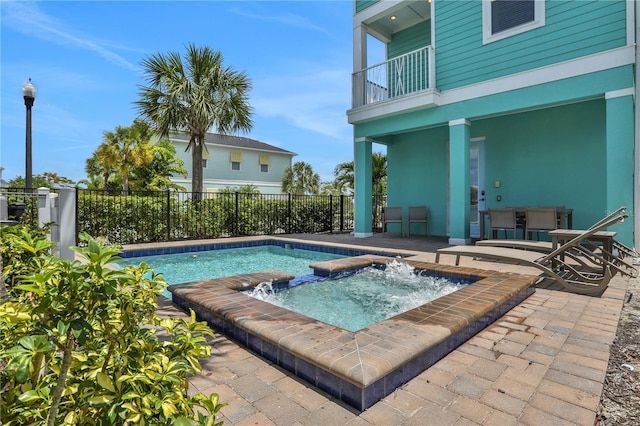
178	268
360	299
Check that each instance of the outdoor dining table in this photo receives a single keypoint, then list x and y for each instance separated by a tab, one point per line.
606	238
565	217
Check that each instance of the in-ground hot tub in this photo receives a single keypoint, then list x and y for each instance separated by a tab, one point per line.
361	367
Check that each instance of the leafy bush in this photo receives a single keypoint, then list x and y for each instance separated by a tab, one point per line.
162	216
80	344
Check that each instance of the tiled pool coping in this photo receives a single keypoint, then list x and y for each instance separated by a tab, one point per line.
359	368
137	250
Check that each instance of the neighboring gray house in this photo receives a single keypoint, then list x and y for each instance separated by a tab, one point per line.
233	162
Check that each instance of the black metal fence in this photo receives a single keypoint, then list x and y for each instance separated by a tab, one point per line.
141	217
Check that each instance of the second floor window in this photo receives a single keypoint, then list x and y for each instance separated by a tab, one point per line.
504	18
204	164
507	14
264	163
236	159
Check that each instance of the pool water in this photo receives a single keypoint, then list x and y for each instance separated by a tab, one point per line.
359	300
195	266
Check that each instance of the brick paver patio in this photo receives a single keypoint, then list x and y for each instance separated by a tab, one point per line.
543	363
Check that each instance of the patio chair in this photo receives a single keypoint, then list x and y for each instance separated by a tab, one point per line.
502	220
418	214
553	264
392	215
538	220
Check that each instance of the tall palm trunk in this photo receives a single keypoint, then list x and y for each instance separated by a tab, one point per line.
196	169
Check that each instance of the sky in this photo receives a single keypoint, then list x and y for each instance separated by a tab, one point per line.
84	59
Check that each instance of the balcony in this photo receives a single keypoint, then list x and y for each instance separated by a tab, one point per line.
405	77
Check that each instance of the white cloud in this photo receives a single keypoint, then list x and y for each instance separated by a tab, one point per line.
288	19
27	18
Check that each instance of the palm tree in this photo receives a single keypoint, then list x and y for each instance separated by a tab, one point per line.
102	164
344	173
194	96
156	175
131	147
300	179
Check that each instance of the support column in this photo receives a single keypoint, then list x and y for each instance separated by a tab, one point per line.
459	194
620	159
67	222
363	167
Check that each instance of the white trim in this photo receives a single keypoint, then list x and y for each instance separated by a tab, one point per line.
573	68
478	139
459	241
402	104
538	21
224	183
629	91
459	121
432	11
631	39
363	234
360	139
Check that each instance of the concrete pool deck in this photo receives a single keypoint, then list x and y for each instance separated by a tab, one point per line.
543	362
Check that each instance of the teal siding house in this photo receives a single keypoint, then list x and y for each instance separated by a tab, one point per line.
233	162
486	104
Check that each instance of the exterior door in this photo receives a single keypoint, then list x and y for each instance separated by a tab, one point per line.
476	181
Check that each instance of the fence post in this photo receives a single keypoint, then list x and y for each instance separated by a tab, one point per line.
44	206
289	213
168	215
45	210
331	213
341	212
4	207
67	220
235	226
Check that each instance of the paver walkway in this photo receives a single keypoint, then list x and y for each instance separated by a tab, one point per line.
543	363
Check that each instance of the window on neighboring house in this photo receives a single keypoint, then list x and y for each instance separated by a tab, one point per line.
264	163
236	159
205	157
504	18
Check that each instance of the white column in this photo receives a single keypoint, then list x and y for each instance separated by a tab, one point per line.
67	221
4	208
44	206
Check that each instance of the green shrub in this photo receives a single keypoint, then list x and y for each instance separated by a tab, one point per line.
80	344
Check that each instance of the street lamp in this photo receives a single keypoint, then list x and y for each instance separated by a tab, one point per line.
29	93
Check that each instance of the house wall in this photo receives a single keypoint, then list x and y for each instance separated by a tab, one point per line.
410	39
572	29
363	4
218	173
554	156
587	86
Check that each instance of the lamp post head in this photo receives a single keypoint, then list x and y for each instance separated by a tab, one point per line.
29	90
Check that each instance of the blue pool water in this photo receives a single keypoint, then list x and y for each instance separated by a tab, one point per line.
359	300
188	267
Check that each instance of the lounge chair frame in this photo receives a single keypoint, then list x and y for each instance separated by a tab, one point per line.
552	264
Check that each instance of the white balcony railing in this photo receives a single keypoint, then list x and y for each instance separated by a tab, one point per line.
404	75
